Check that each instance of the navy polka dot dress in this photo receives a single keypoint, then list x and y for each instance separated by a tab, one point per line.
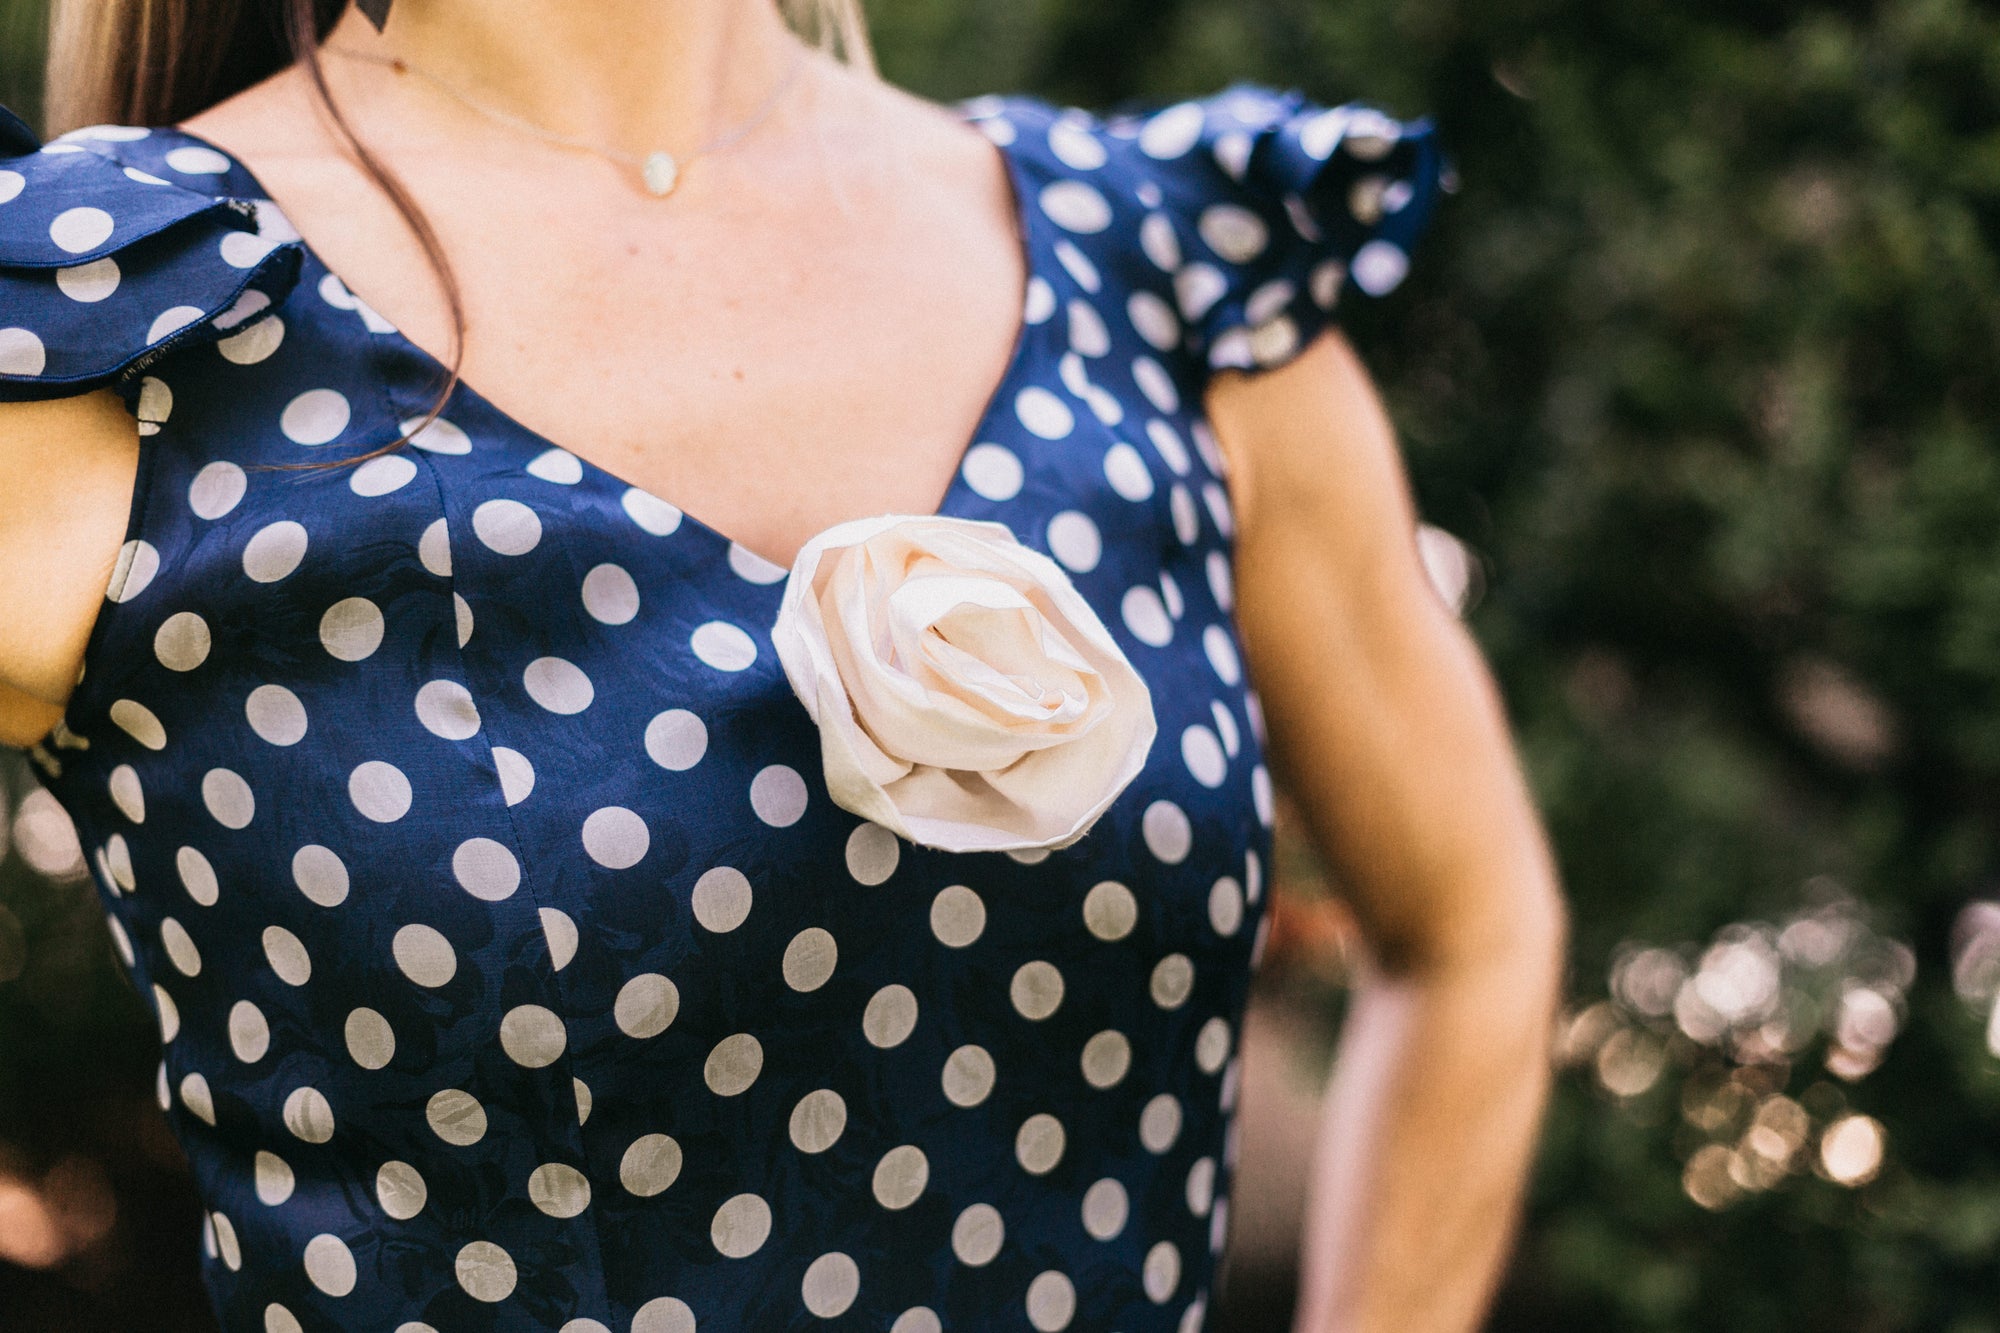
513	967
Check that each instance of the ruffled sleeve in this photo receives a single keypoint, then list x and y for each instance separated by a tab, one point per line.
1281	207
105	268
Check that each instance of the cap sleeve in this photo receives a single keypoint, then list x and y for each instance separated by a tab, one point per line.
1281	208
105	268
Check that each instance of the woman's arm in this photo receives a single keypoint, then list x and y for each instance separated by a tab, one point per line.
1386	729
67	469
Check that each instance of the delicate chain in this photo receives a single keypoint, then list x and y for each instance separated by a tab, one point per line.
661	169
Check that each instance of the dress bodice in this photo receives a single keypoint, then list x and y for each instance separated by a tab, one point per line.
513	968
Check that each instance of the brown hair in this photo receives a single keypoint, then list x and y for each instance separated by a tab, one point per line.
157	62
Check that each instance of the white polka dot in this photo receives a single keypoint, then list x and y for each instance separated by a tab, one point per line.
1201	1187
182	641
557	465
197	1098
650	512
558	685
1154	320
249	1032
273	1179
276	715
371	1042
317	416
1160	1123
352	629
1172	981
117	862
1262	798
127	794
610	595
1105	1208
818	1121
721	899
1233	232
890	1017
1106	1058
1168	835
1379	267
778	795
197	161
287	956
1221	650
1172	132
872	854
456	1116
228	798
1074	540
308	1116
676	740
379	791
516	774
559	929
741	1226
1043	413
1051	1302
434	549
532	1036
1039	1143
977	1235
381	476
558	1189
217	489
424	955
256	343
968	1076
646	1005
1146	617
1087	334
1201	751
616	838
507	527
662	1314
330	1264
1154	381
1162	1272
957	916
446	709
1074	144
1128	473
180	947
918	1319
723	646
400	1190
1187	522
733	1065
227	1247
993	471
810	959
1036	991
1076	207
440	437
1211	1045
747	565
650	1164
79	229
11	185
1040	301
1197	287
137	563
831	1283
462	618
89	283
486	869
197	876
245	249
169	1014
140	723
1110	910
21	353
485	1271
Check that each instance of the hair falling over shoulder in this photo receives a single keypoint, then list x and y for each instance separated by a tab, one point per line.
158	62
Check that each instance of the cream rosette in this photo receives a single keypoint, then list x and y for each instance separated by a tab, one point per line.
967	697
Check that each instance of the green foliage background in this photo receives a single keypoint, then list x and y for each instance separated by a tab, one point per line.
1702	361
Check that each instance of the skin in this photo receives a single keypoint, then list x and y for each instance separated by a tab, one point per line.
860	241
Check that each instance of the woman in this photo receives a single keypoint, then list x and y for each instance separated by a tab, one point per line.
559	916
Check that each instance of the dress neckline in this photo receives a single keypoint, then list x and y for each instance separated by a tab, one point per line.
1027	240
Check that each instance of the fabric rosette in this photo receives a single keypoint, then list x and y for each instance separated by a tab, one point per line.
966	695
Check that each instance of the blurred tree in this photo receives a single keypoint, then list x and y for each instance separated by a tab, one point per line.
1702	360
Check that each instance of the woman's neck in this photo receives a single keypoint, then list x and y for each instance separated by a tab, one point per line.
631	74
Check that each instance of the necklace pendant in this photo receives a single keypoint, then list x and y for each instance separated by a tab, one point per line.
661	173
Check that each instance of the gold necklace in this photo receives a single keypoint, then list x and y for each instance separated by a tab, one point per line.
659	171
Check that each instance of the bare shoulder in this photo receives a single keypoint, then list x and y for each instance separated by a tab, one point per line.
67	470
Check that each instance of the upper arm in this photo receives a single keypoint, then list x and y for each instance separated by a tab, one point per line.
67	471
1384	724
